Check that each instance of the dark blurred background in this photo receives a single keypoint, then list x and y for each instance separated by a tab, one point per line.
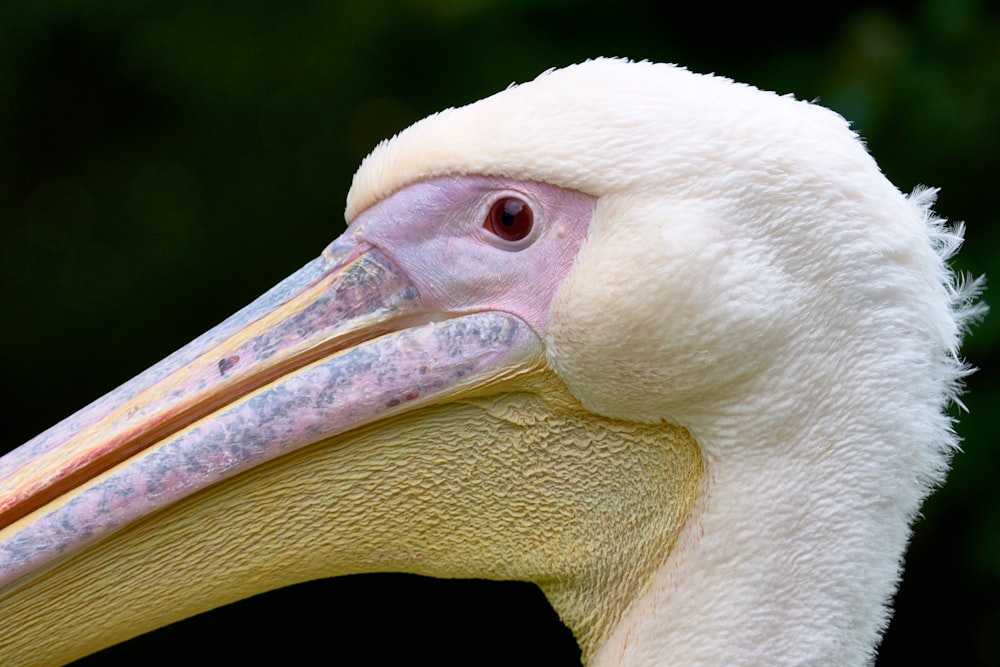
161	167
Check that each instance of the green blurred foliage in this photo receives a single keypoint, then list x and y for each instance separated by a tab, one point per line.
161	164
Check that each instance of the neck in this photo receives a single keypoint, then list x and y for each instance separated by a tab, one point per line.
795	542
769	567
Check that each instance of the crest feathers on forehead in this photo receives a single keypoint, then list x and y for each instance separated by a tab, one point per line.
597	127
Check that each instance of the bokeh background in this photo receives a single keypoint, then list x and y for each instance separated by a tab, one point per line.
161	164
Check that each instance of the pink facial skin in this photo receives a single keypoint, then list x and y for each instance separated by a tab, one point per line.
430	298
434	232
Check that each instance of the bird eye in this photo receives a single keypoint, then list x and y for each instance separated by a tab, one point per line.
510	218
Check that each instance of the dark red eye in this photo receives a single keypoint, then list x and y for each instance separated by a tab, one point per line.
510	218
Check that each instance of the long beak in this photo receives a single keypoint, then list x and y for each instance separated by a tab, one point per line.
344	341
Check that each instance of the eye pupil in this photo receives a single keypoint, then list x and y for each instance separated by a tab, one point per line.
510	218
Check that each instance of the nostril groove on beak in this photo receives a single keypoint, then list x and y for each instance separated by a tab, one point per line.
227	363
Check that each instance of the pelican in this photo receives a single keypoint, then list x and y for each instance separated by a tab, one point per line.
668	346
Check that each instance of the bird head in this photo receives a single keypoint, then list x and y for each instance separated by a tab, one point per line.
643	337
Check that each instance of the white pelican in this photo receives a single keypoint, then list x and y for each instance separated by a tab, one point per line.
668	346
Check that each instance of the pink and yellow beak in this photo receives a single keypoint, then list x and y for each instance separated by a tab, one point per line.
343	342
